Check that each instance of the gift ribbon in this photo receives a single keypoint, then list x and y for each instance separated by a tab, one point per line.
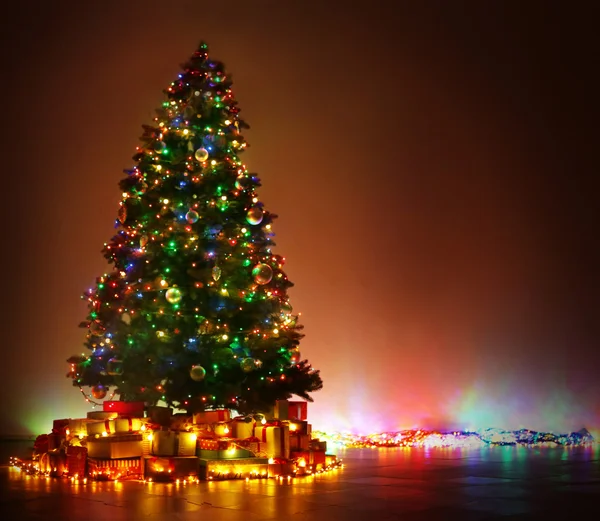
281	435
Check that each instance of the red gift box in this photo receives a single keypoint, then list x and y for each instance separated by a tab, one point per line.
60	426
297	410
276	439
55	441
218	415
318	445
213	444
308	458
170	468
127	408
41	444
53	463
253	444
77	461
114	468
299	441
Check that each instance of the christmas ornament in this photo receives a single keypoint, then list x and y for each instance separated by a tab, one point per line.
216	273
126	318
242	182
197	373
247	365
192	216
173	295
262	273
143	241
201	154
254	215
99	391
114	367
159	146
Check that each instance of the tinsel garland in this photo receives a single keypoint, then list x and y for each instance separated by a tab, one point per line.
456	439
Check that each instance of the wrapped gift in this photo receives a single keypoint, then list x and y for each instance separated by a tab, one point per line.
222	429
77	461
173	443
242	427
41	444
217	415
101	415
213	443
299	441
319	459
114	468
125	408
282	468
101	427
276	439
164	443
77	427
128	424
170	468
318	445
232	452
254	445
59	426
203	430
115	447
314	460
281	409
52	463
187	444
212	469
181	421
331	460
160	415
297	410
300	426
55	441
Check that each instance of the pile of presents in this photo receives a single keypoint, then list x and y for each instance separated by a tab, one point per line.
129	440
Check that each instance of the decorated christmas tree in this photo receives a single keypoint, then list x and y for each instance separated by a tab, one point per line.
195	310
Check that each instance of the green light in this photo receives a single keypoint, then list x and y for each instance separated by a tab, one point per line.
247	262
215	366
130	341
167	270
100	286
93	314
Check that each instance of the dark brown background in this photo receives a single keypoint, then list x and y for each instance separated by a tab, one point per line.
433	168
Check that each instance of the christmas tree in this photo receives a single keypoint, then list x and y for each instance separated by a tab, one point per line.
195	311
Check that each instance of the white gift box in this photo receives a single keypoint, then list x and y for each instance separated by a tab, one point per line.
242	429
173	443
101	427
128	424
276	440
101	415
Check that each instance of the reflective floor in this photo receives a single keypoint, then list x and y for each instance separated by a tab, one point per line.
375	485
